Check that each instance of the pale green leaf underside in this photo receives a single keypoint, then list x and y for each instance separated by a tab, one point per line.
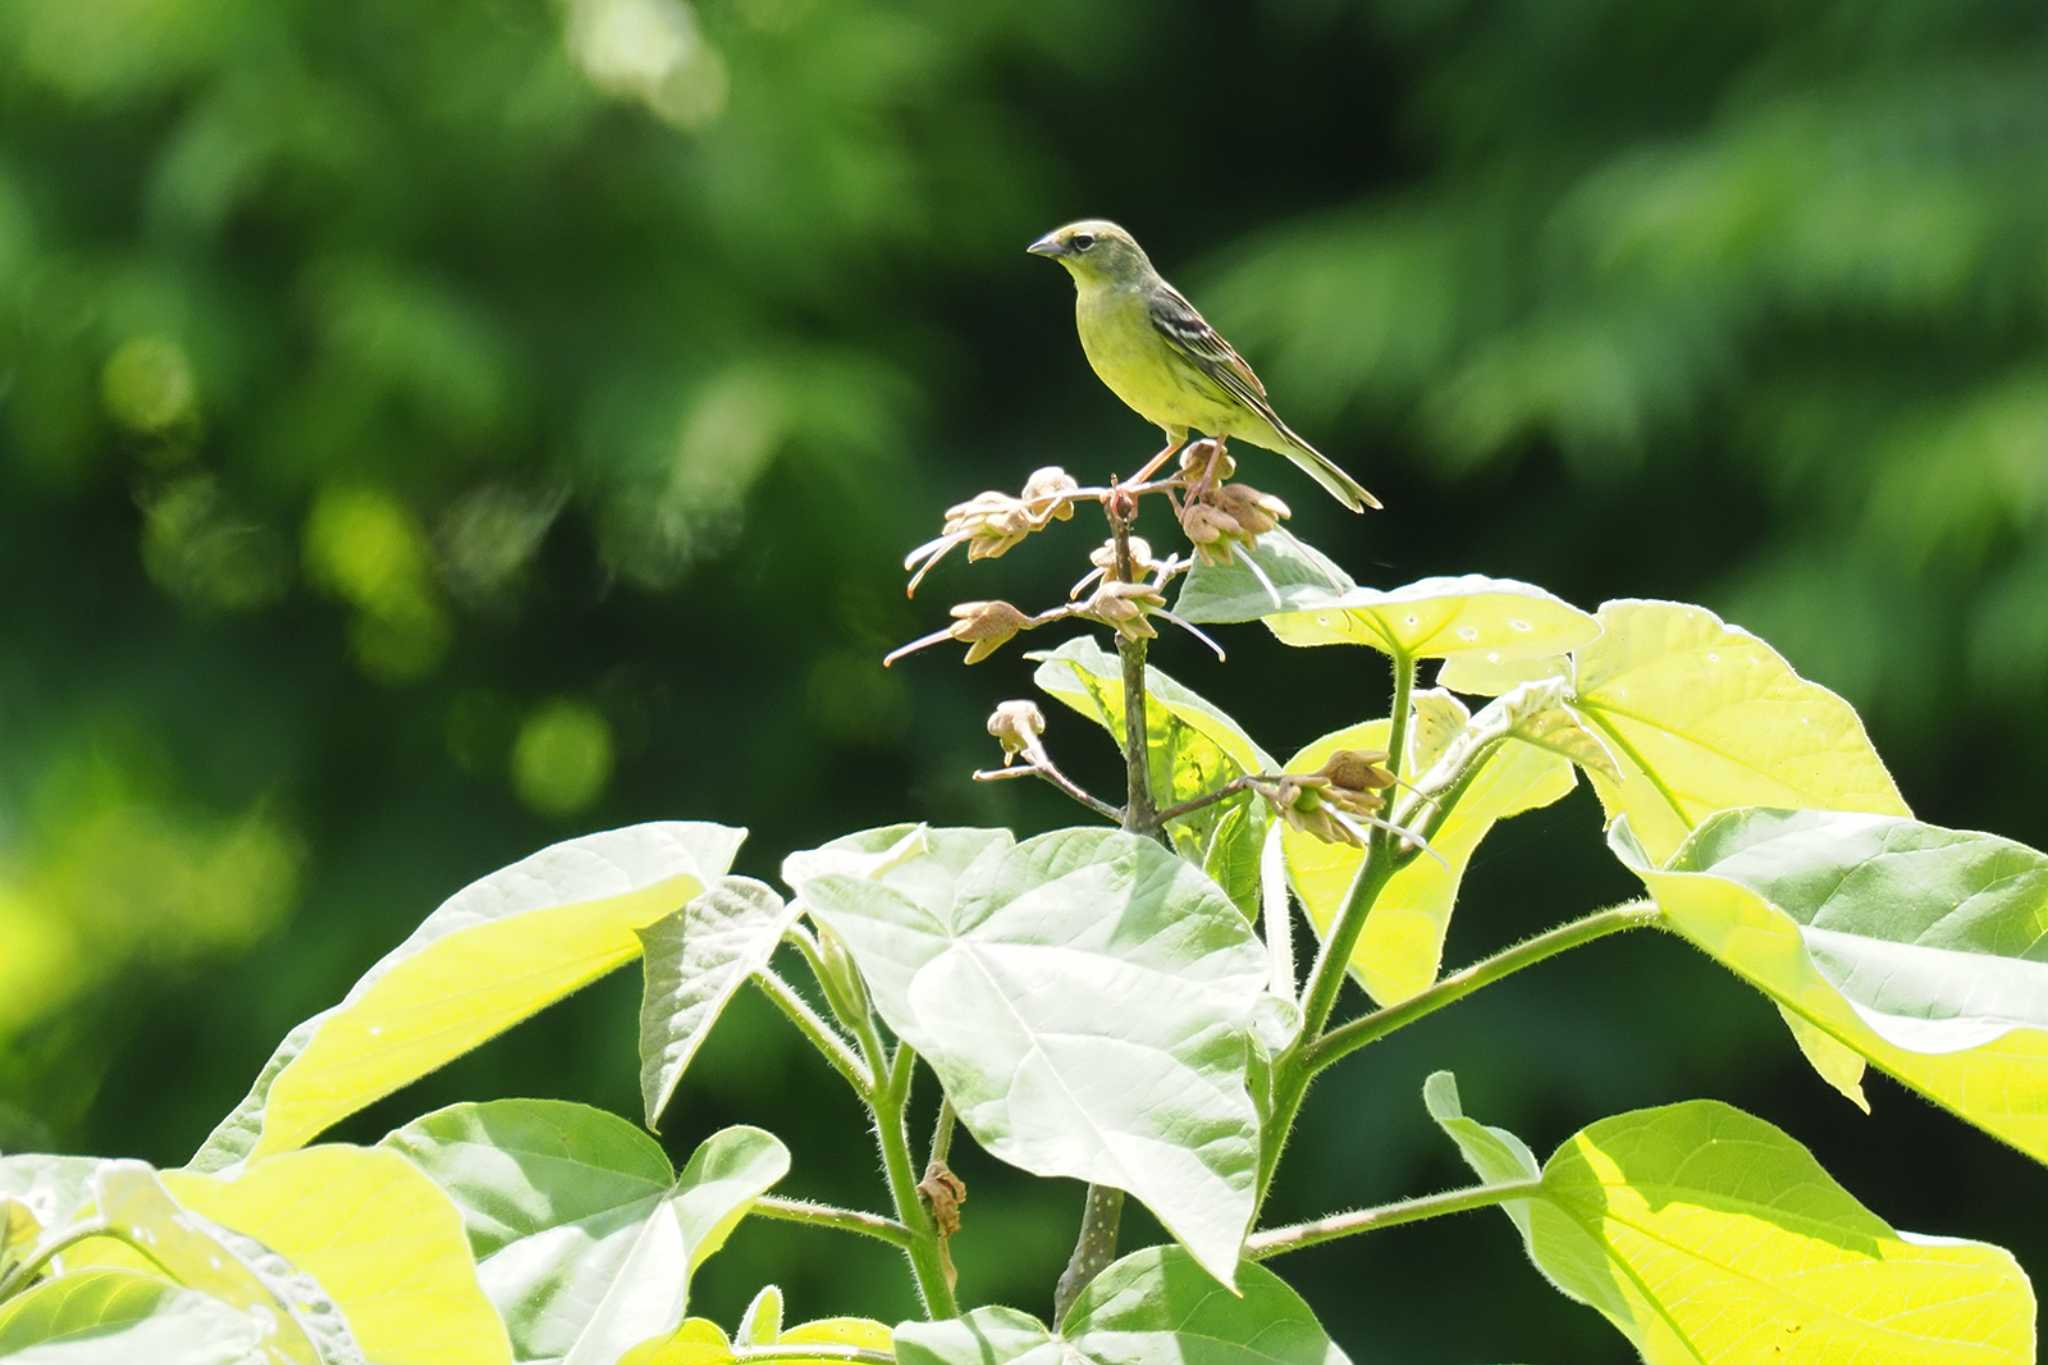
1400	950
1706	1235
1430	619
1086	998
584	1238
1924	950
494	953
1154	1307
695	961
100	1317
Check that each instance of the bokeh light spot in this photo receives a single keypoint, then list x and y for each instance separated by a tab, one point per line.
562	759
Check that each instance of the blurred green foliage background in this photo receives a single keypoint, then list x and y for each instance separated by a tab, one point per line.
427	431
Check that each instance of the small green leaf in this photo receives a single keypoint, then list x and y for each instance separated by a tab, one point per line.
495	952
1914	947
701	1342
41	1197
1400	950
1192	748
1704	1234
1703	717
159	1233
1086	998
761	1324
1154	1307
1436	618
695	961
584	1237
99	1317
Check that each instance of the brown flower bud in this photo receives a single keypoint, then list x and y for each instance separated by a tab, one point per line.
1016	725
1358	770
1299	801
1206	462
1256	512
985	627
1124	606
1103	557
1044	495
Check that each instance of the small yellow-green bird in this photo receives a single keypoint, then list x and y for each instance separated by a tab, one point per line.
1154	351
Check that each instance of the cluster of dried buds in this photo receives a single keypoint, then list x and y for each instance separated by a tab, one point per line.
1124	603
1331	802
992	523
1218	516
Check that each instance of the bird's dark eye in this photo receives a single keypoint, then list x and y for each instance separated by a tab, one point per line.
1083	240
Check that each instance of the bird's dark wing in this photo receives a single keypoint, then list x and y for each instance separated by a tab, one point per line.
1189	333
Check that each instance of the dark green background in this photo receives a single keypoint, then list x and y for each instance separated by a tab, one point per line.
429	431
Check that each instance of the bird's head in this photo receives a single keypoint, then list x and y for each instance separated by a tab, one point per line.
1094	250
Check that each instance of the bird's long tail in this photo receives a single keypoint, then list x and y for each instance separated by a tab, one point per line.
1324	470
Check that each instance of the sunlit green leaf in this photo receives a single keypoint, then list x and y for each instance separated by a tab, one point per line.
1704	1234
1154	1307
700	1341
1400	950
110	1317
40	1197
1915	947
495	952
157	1233
695	961
584	1236
1086	998
1192	747
1435	618
385	1244
1703	716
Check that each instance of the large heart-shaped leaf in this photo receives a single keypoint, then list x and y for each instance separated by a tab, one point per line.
1191	748
1706	1235
700	1341
495	952
1154	1307
1304	599
378	1236
158	1233
584	1236
1923	950
696	960
97	1317
1400	950
1086	998
1704	717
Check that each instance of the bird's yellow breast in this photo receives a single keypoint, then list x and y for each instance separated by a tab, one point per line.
1134	361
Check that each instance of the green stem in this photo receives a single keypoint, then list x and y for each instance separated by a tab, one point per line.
20	1277
1342	1041
1326	978
859	1354
1280	1241
822	1035
942	1133
828	1216
927	1265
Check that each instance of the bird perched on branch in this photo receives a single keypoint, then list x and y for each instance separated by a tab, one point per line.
1154	351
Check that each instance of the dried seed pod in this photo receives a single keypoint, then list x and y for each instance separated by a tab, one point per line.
1016	725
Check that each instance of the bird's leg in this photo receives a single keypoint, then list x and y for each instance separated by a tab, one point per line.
1174	441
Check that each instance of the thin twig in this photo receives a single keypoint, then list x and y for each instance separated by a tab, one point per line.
1210	798
1057	779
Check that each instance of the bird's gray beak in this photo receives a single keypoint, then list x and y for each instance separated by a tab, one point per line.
1048	245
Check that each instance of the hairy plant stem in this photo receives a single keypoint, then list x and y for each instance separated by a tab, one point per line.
1342	1041
942	1133
1102	1210
823	1036
927	1263
1280	1241
828	1216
